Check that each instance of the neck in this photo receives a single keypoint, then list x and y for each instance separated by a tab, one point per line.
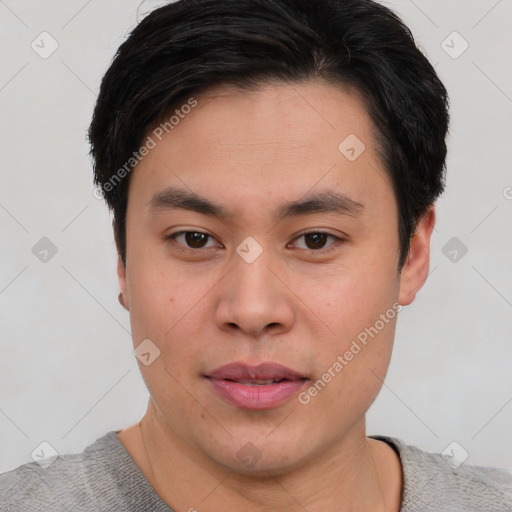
355	474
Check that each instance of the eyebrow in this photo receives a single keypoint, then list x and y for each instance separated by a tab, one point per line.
322	202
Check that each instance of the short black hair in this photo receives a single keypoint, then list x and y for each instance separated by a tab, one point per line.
188	46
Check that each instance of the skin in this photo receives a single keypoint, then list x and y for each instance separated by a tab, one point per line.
205	307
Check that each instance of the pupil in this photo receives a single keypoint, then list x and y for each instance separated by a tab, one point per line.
195	240
318	240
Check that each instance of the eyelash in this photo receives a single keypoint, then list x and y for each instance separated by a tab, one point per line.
182	247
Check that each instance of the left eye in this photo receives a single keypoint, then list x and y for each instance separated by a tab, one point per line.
316	240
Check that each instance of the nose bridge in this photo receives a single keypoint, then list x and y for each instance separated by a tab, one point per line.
253	282
254	278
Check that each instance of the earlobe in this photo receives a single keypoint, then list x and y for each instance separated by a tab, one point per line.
121	276
415	270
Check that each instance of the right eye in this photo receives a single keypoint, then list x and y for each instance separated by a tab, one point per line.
192	239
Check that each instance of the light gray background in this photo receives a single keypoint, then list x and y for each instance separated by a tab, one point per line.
68	374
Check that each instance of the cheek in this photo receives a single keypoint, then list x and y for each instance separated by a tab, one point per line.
166	309
156	290
358	310
170	308
347	298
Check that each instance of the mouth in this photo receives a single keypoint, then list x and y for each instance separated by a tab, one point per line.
265	386
258	382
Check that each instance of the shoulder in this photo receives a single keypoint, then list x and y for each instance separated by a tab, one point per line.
91	480
434	482
32	487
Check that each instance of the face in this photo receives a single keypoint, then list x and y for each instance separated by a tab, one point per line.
262	263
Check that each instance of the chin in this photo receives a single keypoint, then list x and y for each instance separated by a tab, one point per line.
254	455
265	467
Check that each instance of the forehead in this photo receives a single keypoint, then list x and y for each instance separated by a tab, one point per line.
278	139
280	118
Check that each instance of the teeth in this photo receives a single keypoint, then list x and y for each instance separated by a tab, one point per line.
258	382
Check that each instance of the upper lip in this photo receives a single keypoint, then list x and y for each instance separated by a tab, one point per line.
264	371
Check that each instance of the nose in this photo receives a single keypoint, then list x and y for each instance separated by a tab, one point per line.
254	300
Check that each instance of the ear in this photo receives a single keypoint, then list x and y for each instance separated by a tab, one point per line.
121	276
415	270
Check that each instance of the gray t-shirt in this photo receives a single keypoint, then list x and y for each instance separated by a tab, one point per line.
105	478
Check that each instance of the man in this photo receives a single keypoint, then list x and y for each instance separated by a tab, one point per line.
272	167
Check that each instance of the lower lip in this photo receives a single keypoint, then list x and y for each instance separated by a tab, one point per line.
257	397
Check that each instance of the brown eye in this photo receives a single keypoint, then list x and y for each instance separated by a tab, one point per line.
316	241
195	239
192	239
